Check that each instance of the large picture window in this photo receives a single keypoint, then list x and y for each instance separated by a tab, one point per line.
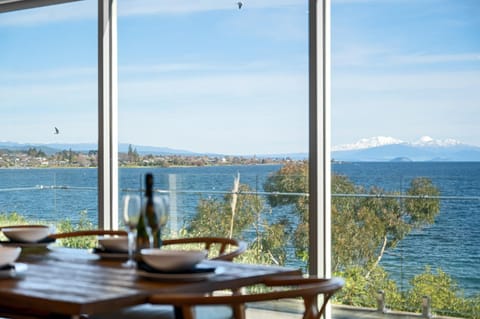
205	91
48	98
201	84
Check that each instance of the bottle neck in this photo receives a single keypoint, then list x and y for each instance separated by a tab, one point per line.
149	185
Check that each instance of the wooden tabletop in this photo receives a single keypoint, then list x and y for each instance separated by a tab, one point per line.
73	282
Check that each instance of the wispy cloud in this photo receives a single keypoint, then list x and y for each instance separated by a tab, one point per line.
39	76
215	89
70	74
196	67
83	10
387	2
364	55
152	84
418	81
26	97
149	7
421	58
78	10
353	54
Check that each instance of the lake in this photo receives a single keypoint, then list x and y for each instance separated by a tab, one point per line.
451	243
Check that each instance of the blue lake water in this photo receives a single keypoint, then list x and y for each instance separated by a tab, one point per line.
451	244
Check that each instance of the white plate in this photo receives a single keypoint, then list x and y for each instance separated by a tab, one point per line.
197	276
26	233
118	244
19	270
26	245
167	260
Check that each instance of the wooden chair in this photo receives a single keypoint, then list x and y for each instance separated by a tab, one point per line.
90	232
292	287
84	238
219	248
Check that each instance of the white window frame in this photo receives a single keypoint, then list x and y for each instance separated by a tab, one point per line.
319	137
107	115
107	103
319	140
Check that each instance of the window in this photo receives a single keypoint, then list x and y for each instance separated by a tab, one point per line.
48	95
260	82
213	83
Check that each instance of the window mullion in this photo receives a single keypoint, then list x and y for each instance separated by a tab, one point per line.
107	115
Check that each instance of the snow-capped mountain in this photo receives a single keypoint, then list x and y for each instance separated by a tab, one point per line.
428	141
377	141
383	148
367	143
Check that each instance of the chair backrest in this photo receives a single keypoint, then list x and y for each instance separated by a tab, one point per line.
89	232
292	287
84	238
219	248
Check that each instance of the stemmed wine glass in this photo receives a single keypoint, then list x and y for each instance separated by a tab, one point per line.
161	207
131	215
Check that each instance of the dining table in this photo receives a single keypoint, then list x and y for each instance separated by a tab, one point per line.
66	282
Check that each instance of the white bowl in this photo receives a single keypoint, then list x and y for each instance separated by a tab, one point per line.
26	234
117	243
8	255
172	260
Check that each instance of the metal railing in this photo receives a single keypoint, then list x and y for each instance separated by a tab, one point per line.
426	307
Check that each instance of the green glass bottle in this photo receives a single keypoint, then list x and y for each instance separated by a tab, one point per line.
150	214
143	239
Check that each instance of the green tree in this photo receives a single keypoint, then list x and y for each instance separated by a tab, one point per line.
360	291
84	223
424	209
214	218
292	178
444	293
132	154
33	152
363	227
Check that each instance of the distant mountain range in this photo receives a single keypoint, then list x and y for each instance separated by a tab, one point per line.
85	147
141	149
375	149
383	148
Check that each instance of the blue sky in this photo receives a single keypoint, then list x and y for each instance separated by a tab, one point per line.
207	77
405	69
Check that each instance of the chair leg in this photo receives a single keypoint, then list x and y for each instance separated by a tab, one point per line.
311	308
326	298
184	312
238	311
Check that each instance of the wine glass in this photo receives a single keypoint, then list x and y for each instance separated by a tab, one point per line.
155	224
131	215
162	207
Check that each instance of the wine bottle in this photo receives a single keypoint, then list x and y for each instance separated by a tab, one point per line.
143	238
150	214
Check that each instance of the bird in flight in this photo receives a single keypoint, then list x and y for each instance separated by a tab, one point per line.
56	131
239	4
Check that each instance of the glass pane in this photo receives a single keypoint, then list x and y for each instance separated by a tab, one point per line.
48	127
407	149
209	90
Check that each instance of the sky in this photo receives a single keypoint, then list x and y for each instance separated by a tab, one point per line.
204	76
406	69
